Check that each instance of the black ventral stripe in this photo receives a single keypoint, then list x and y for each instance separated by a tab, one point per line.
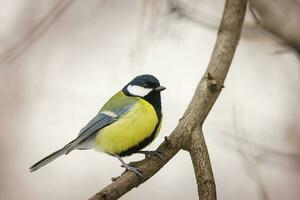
142	144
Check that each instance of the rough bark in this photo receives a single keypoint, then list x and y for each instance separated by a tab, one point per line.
210	88
202	167
188	133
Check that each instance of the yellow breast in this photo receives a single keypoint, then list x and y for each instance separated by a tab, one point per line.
129	130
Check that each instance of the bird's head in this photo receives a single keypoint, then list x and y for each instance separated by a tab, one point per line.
143	85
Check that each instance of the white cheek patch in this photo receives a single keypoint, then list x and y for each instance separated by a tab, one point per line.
138	90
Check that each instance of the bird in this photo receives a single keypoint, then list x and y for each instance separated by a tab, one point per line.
128	122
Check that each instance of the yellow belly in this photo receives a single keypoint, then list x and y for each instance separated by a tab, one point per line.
129	130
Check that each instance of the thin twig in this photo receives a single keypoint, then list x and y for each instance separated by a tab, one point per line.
35	33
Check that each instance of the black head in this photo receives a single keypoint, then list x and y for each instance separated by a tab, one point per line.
143	86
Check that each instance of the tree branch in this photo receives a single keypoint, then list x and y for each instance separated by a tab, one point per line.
202	167
186	135
281	18
228	37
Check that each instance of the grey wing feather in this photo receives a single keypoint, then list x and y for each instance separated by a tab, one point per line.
99	121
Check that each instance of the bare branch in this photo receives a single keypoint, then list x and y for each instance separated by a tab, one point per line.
128	181
202	167
35	33
280	17
203	100
228	37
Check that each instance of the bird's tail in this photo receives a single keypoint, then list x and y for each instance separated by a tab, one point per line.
48	159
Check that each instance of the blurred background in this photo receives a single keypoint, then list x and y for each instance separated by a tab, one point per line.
60	60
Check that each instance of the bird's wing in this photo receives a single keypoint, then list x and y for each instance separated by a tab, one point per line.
99	121
107	115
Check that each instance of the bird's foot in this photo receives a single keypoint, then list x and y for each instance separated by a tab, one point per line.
132	169
152	153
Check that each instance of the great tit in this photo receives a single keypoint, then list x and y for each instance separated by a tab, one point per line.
128	122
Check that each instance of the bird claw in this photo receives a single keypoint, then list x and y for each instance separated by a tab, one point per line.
133	169
153	153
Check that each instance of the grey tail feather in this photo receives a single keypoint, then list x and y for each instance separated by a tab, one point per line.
48	159
52	156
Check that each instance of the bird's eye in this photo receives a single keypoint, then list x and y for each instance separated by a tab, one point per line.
145	85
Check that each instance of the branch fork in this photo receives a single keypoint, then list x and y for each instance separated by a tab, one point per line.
188	134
